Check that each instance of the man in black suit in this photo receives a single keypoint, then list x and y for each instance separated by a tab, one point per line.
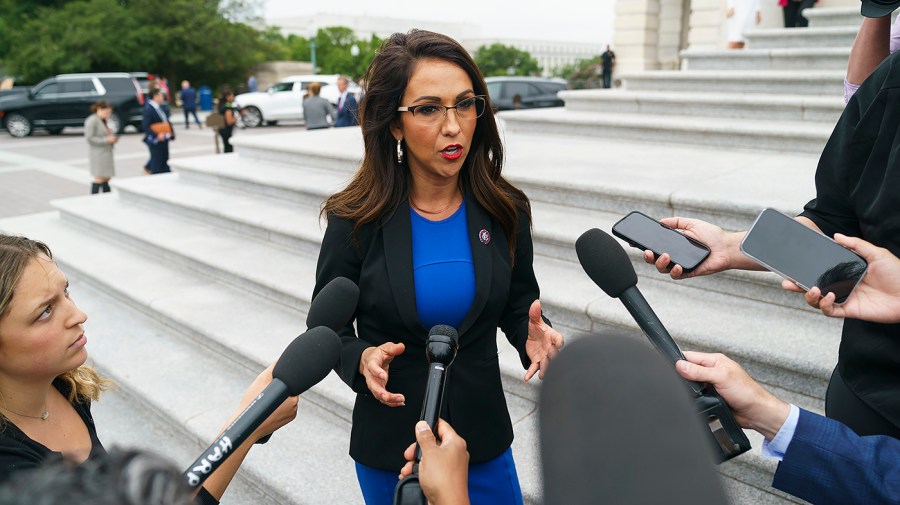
157	142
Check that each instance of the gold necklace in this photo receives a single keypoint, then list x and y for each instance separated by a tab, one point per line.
42	417
445	209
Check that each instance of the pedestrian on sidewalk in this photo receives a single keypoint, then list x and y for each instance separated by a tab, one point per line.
158	132
607	62
100	151
227	110
347	108
317	111
189	103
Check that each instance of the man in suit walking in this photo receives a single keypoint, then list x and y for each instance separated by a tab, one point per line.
347	108
158	142
189	103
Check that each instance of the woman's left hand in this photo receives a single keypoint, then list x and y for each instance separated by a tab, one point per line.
543	342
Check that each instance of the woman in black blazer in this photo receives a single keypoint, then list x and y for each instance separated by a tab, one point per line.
433	234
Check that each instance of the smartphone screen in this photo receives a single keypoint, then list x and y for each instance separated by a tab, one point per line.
644	232
803	255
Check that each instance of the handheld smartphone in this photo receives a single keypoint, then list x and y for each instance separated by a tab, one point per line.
802	255
644	232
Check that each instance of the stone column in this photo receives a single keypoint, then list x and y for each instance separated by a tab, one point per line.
636	35
671	22
708	26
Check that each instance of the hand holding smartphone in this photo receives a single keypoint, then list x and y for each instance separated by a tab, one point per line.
802	255
644	232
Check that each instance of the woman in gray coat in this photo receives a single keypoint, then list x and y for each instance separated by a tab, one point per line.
101	141
317	110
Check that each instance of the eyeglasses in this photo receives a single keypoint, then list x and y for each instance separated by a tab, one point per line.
470	108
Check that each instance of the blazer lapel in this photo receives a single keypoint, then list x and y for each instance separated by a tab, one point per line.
479	223
398	257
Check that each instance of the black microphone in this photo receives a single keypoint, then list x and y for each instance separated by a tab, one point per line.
617	427
440	350
334	305
607	264
305	362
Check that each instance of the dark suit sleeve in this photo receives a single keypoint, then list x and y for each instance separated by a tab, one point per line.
353	109
340	257
523	291
827	463
147	120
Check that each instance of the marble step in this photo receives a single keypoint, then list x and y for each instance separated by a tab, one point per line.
832	16
815	82
811	37
768	135
719	105
556	228
792	59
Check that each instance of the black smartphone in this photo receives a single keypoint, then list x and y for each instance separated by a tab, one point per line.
802	255
644	232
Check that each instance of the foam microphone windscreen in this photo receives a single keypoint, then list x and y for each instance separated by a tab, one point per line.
618	426
308	359
334	305
443	329
605	262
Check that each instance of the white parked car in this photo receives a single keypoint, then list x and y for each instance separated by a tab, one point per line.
284	100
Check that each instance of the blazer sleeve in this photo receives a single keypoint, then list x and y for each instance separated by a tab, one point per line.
827	463
340	256
94	132
523	291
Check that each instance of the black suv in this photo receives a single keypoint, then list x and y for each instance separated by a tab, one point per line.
530	92
65	100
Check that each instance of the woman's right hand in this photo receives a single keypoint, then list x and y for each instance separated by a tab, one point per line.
722	247
374	364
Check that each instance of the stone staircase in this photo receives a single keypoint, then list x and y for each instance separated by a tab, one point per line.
196	280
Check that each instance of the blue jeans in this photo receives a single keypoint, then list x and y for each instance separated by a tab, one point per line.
493	482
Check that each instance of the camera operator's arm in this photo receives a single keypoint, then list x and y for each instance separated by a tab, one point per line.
444	469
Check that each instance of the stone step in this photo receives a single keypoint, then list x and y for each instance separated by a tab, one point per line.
789	136
556	226
793	59
811	37
832	16
816	82
824	109
190	364
724	186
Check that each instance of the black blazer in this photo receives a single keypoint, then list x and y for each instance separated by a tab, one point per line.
381	264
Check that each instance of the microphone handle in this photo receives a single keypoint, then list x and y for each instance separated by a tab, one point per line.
641	311
237	433
434	397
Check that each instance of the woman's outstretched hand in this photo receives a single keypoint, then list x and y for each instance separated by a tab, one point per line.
543	342
374	365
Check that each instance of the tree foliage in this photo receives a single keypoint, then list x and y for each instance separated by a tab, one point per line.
583	74
205	41
499	59
180	39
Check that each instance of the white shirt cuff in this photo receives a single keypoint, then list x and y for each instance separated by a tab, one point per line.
776	447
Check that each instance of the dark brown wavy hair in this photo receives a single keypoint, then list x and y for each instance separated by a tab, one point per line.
380	185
